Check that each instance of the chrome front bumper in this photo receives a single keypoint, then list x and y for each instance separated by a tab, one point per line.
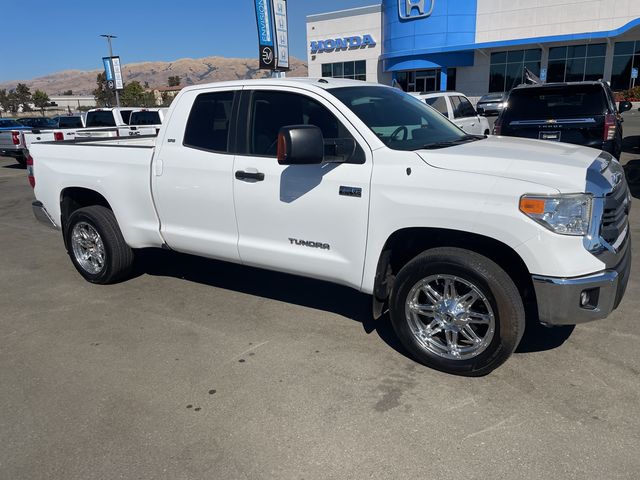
560	300
42	215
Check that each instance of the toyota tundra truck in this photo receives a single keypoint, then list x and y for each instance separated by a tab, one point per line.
455	235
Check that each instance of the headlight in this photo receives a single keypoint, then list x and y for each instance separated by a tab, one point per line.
563	214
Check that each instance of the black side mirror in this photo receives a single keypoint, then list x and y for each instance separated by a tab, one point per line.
300	145
625	107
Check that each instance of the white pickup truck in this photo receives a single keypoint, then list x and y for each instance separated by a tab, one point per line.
144	121
362	185
105	122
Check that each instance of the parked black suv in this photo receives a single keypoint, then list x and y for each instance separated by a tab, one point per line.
583	113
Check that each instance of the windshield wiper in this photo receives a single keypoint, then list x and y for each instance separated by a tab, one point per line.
451	143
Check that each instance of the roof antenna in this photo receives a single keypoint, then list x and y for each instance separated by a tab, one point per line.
322	80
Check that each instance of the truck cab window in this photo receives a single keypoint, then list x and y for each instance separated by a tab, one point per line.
464	109
440	104
270	111
208	124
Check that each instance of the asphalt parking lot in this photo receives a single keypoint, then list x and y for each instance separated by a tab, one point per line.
196	369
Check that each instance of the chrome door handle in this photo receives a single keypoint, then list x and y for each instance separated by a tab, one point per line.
242	175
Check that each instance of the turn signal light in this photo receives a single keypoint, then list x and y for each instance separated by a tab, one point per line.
497	128
30	176
282	148
532	206
609	127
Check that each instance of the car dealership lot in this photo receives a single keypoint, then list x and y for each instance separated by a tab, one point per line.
199	369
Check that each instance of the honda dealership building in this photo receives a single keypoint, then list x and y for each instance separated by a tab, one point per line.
478	46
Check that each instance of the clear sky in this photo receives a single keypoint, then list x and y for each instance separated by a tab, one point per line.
45	36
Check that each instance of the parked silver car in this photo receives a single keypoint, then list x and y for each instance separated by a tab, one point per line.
491	104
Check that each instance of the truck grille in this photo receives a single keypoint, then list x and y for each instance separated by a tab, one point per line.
616	213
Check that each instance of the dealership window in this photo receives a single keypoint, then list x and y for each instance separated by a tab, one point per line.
425	80
352	70
507	68
626	56
575	63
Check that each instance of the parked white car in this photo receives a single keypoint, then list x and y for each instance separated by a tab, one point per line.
361	185
457	108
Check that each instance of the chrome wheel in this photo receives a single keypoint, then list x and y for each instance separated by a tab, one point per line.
450	317
88	248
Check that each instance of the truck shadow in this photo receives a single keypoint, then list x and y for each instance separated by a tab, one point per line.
14	166
632	172
631	144
310	293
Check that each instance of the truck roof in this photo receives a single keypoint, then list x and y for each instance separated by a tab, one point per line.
324	83
558	84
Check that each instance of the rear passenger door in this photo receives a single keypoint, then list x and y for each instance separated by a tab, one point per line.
192	174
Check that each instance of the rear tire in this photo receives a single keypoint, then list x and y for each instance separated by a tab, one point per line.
96	245
470	328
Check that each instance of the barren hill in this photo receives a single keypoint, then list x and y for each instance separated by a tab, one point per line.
191	71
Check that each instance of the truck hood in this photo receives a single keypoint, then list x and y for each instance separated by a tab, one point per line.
561	166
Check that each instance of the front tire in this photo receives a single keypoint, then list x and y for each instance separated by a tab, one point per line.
457	311
96	245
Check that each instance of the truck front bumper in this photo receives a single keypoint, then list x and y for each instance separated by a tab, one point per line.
42	215
570	301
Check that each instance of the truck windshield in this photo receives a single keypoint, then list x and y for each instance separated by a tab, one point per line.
38	122
556	102
9	123
401	121
145	118
101	118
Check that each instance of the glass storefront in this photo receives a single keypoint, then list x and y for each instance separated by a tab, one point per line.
352	70
425	80
507	68
576	63
626	56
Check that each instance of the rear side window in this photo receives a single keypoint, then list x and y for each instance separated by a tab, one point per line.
463	108
557	102
101	119
439	103
145	118
209	120
70	122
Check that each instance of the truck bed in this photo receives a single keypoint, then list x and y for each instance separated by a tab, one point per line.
120	171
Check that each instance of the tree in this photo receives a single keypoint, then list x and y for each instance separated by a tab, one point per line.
174	81
13	104
132	95
103	95
167	99
40	100
23	97
4	101
68	92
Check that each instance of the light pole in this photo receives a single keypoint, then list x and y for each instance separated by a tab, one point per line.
109	37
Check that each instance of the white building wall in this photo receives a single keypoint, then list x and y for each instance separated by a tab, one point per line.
516	19
474	81
347	23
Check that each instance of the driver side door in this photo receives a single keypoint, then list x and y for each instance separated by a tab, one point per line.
303	219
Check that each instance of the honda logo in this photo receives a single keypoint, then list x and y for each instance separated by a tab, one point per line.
410	9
